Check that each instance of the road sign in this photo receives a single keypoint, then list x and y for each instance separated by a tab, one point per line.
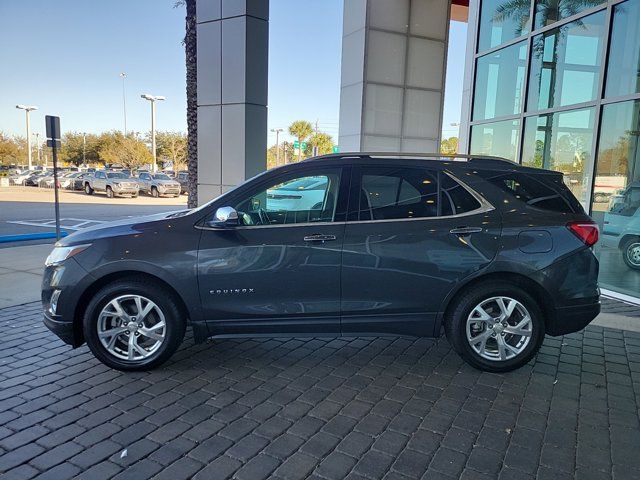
335	149
53	127
296	145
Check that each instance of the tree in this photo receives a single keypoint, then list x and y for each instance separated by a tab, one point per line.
78	148
10	152
301	129
172	147
323	141
191	55
127	151
449	146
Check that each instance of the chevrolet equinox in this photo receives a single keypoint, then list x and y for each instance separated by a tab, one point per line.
496	254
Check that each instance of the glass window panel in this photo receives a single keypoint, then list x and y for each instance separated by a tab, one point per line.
500	83
297	200
550	11
562	142
623	74
499	139
565	64
501	21
616	198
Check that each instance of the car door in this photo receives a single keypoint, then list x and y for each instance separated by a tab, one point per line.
412	234
145	182
100	181
279	269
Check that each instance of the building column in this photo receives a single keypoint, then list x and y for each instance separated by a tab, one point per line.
393	75
233	38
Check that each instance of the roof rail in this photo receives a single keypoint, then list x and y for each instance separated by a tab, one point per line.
435	156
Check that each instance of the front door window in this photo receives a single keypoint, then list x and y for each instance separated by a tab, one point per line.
303	199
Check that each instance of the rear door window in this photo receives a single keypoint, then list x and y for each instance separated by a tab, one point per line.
388	193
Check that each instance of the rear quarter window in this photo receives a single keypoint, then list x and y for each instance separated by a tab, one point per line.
542	191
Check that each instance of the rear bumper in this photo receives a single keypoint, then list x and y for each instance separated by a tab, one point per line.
572	319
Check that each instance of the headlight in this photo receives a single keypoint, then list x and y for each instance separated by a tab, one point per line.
60	254
116	184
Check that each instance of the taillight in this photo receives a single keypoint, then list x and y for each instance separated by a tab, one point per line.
588	232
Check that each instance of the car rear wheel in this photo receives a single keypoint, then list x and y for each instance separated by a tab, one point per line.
132	324
87	189
631	253
495	327
154	192
109	192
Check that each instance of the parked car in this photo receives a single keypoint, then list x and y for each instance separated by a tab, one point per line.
622	225
183	179
157	184
33	180
496	253
20	178
76	180
112	183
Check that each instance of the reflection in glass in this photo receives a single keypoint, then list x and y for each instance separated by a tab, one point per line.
500	83
501	21
565	65
616	200
499	139
562	142
623	75
550	11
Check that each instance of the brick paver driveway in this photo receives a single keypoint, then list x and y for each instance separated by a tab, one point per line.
325	408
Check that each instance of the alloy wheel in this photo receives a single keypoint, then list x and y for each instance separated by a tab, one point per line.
131	327
499	328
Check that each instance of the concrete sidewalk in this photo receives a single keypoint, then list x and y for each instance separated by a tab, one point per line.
21	273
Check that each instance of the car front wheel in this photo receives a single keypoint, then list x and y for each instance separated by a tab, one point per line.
631	253
109	192
88	190
154	192
495	327
132	324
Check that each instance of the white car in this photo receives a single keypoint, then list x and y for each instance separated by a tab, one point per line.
19	178
303	194
622	225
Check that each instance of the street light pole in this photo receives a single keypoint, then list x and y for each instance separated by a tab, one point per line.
277	130
27	109
153	99
124	103
37	135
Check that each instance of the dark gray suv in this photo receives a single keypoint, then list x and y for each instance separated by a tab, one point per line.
348	244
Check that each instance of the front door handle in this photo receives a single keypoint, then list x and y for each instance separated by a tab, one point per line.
465	230
319	238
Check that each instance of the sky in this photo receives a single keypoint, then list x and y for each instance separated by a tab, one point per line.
66	56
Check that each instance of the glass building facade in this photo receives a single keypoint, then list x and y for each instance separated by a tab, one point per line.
556	84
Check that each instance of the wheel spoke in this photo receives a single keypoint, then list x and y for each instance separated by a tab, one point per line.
483	315
112	332
150	334
506	309
501	347
155	327
145	311
482	340
519	329
119	311
131	347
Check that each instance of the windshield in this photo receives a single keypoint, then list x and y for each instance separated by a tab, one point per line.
116	175
307	183
162	176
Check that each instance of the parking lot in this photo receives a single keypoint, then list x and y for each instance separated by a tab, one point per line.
287	408
31	209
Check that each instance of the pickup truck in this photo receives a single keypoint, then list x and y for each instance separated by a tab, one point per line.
112	183
157	184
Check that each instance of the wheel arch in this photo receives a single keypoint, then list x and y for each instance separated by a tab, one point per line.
537	291
94	287
625	238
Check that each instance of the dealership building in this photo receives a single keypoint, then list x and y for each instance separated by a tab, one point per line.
548	83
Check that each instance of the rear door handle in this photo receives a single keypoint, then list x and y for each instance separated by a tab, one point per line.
319	238
465	230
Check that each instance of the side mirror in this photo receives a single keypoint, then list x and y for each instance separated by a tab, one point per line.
224	217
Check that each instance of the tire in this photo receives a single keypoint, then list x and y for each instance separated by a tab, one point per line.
109	192
135	195
154	192
87	189
486	295
631	253
126	290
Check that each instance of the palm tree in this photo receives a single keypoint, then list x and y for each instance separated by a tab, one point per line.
191	56
322	141
301	129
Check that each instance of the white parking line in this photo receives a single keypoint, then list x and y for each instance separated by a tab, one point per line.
65	223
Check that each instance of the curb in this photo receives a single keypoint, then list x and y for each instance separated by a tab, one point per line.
30	236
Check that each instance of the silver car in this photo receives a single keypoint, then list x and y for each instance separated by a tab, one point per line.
157	184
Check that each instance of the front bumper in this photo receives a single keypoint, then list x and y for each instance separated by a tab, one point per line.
126	191
169	191
64	330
